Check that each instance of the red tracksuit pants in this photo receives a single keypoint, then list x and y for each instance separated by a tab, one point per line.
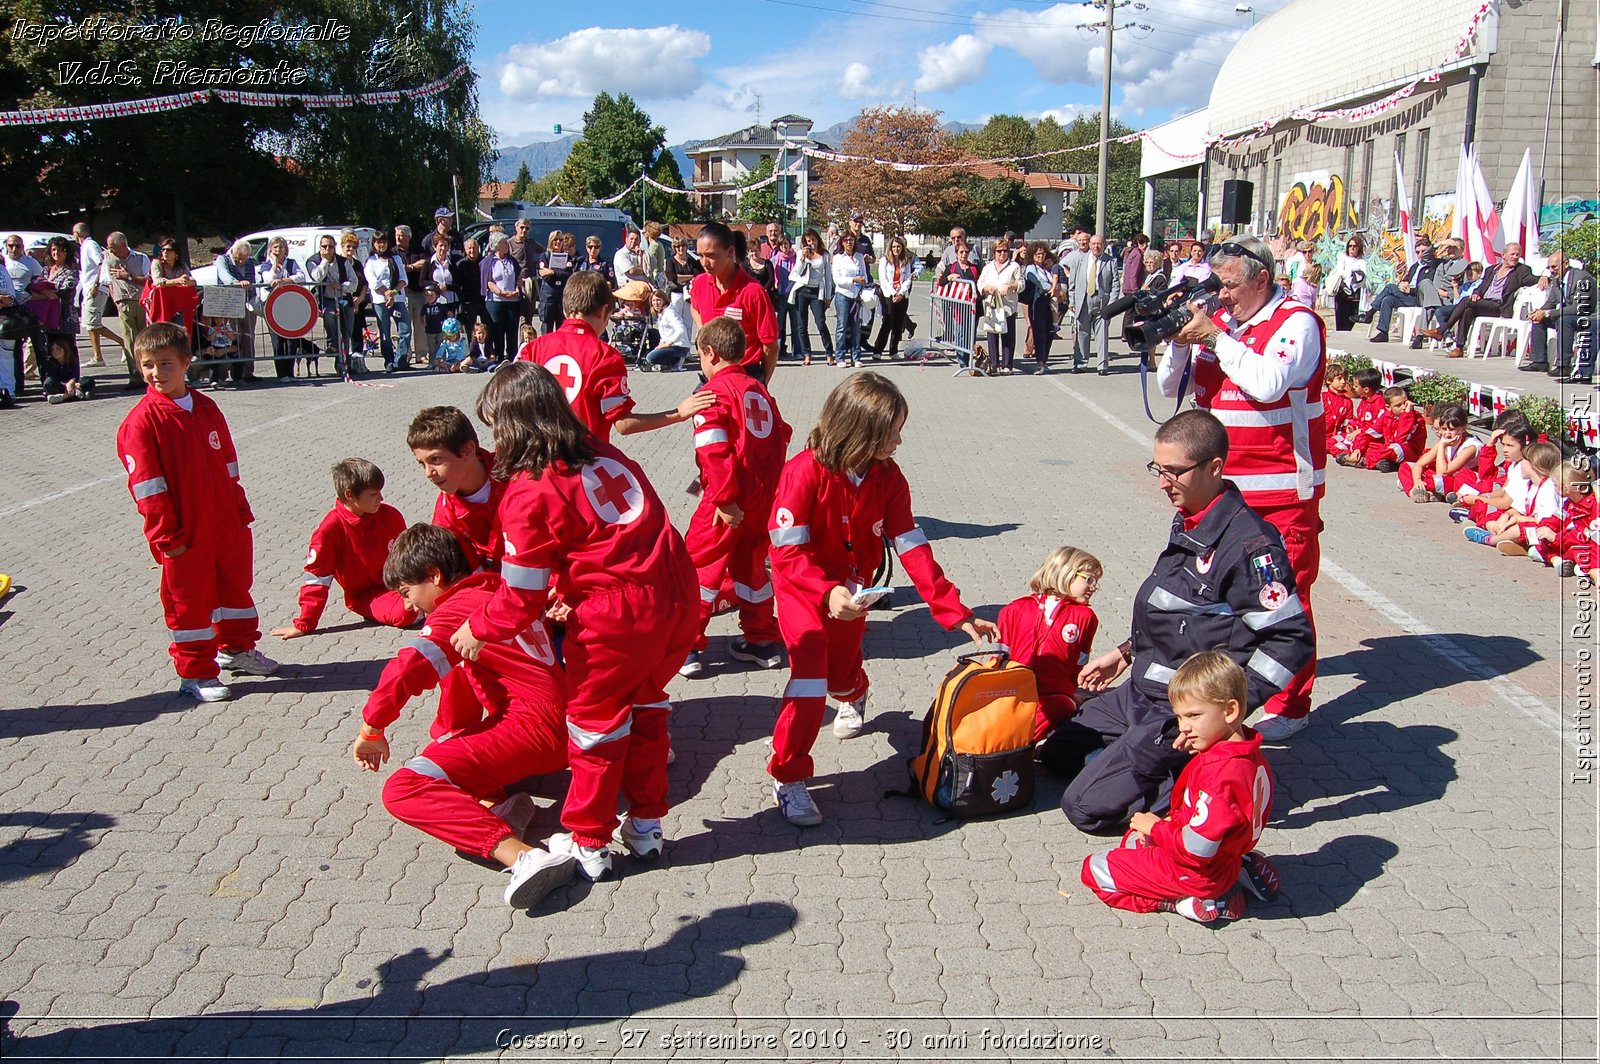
1136	876
1575	547
1300	524
1433	481
824	660
718	551
622	649
439	790
205	595
1375	451
1053	709
383	606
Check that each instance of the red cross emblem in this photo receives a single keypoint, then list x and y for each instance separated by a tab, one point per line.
757	414
568	374
1274	595
613	491
1069	633
535	642
214	440
782	517
1499	402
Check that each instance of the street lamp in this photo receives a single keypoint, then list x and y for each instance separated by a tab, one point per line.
1245	9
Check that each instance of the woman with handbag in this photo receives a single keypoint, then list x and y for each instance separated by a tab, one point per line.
810	290
1346	283
850	277
896	271
999	285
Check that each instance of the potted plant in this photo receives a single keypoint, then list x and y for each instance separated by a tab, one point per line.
1350	362
1547	417
1436	390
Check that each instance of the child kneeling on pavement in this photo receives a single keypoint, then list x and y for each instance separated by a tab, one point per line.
1199	860
444	790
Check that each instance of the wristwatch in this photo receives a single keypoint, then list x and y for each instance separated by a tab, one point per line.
1210	342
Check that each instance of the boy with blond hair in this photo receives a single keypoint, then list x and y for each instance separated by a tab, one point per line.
183	473
1199	860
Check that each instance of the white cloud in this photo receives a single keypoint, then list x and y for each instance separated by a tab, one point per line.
1066	114
855	83
655	63
958	62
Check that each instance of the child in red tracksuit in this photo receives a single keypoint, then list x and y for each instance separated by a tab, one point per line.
739	445
1338	412
1531	497
447	789
183	473
1402	433
350	546
1446	468
1364	427
836	503
1052	631
592	374
1511	433
1199	860
581	512
1566	542
445	445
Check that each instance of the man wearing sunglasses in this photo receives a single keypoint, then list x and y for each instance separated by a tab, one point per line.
1258	366
1223	582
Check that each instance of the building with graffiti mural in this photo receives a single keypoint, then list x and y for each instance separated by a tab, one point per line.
1316	101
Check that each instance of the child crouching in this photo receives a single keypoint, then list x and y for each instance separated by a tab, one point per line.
1199	860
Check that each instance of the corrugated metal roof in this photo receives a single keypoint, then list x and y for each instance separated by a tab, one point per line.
1321	52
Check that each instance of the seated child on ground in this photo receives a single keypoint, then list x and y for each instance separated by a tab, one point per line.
1365	427
452	356
1338	412
1402	431
1199	860
1530	497
1052	631
1567	542
350	546
1448	466
60	374
1496	461
446	790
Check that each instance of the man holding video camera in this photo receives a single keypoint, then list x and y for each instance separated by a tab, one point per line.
1258	365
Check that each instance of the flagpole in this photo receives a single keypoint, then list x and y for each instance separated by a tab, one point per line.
1550	98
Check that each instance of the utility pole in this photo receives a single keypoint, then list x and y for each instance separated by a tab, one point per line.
1105	126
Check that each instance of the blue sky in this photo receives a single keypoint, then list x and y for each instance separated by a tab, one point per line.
700	69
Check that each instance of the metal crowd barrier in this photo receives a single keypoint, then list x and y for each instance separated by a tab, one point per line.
955	323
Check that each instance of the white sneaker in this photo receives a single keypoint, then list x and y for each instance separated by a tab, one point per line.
850	718
642	837
252	662
594	863
1535	555
1275	728
207	690
536	874
795	803
517	811
691	665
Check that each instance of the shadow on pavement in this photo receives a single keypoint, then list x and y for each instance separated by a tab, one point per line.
938	529
1316	884
408	1019
50	841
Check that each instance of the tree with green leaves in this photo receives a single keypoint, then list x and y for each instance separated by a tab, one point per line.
1124	207
991	206
1002	137
622	142
760	205
522	189
666	208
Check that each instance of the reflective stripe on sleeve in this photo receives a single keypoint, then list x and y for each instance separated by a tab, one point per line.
1259	619
588	740
793	536
706	437
312	578
524	577
750	594
608	405
1166	602
233	470
1198	844
663	704
910	540
430	650
1269	669
146	488
708	594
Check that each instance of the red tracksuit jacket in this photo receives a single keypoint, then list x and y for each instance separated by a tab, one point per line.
1368	415
1576	538
350	548
828	530
740	443
1054	648
1219	806
522	669
600	526
1338	414
476	524
1407	430
589	370
183	471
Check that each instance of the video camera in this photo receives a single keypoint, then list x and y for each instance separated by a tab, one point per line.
1158	316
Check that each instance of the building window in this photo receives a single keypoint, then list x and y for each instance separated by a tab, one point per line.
1366	177
1394	183
1277	193
1421	176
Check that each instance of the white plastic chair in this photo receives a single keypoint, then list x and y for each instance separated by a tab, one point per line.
1511	334
1410	319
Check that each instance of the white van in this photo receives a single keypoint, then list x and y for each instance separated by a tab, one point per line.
302	243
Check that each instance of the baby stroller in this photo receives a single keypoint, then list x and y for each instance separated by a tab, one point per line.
629	333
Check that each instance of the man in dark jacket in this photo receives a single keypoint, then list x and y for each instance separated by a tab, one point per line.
1569	310
1492	299
1223	582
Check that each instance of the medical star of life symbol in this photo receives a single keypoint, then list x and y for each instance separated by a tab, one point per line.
568	374
757	415
613	492
1006	786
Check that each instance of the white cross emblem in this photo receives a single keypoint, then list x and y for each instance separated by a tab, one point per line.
535	642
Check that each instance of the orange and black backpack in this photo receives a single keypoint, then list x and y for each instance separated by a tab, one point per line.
977	743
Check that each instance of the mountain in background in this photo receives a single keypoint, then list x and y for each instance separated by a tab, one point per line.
546	156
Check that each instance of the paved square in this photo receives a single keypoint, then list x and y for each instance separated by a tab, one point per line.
200	881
